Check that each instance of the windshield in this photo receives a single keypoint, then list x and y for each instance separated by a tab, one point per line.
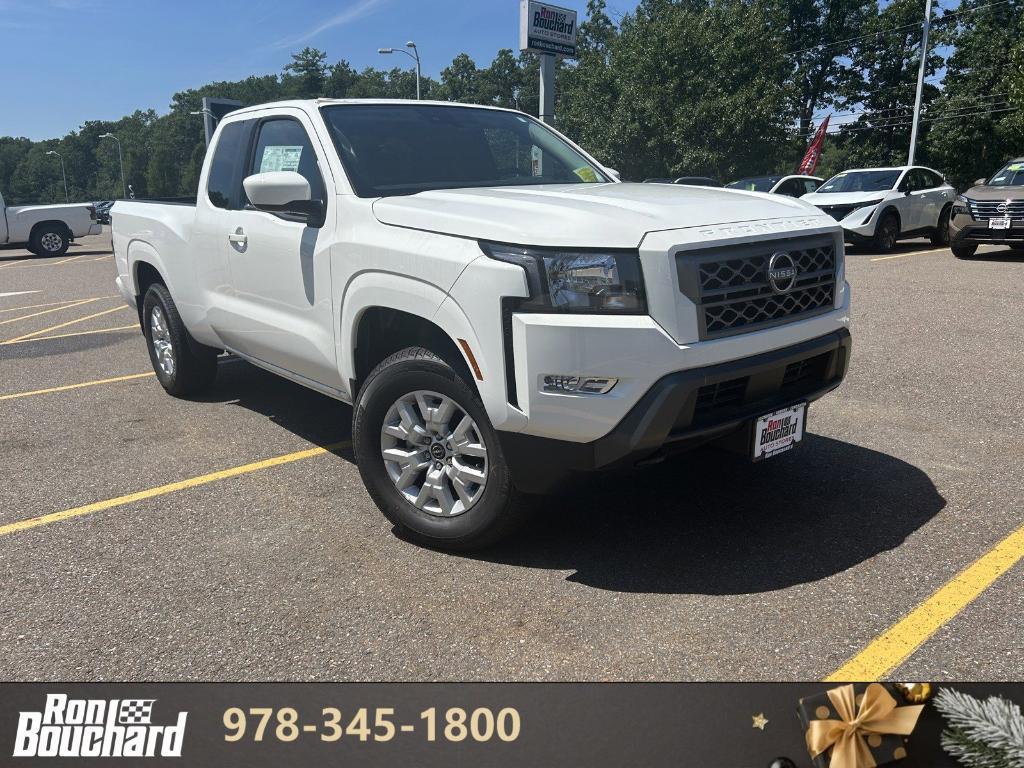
1010	175
400	149
861	181
756	183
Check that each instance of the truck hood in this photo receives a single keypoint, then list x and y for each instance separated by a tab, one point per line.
845	198
579	215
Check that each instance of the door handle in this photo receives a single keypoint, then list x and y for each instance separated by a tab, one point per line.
238	237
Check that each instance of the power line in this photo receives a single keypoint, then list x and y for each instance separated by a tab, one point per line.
892	31
956	102
940	118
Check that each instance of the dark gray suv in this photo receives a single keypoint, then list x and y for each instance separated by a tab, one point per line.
992	212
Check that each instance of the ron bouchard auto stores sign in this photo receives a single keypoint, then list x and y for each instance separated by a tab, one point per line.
547	28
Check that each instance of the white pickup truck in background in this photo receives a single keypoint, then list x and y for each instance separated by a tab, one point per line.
47	230
497	307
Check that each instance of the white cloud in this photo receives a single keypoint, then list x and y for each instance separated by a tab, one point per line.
352	13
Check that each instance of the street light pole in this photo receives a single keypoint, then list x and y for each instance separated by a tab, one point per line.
920	80
120	159
63	175
415	55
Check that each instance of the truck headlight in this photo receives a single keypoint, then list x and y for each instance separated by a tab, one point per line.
576	281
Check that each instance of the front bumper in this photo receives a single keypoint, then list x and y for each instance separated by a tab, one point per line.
859	224
688	408
965	230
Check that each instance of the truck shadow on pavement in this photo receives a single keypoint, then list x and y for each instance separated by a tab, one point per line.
708	522
712	523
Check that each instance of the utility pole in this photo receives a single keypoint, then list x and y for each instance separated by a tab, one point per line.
547	88
920	80
63	175
120	160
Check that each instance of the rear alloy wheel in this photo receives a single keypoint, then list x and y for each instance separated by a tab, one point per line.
182	365
886	233
49	240
940	237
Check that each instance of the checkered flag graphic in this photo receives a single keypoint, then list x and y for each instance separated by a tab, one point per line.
135	712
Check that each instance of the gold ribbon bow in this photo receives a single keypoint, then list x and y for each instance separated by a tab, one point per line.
877	713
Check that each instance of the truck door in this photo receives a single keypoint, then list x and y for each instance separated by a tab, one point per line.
280	270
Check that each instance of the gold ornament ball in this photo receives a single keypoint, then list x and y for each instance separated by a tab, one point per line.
915	693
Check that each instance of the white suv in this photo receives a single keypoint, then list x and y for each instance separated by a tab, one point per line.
878	206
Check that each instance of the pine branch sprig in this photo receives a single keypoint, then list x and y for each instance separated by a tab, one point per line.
983	734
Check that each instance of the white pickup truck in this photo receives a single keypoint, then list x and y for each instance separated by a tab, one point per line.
47	229
500	311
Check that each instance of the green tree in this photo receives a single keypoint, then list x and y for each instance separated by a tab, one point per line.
461	81
306	75
974	125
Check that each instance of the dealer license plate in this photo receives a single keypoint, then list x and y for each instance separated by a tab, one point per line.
777	432
999	223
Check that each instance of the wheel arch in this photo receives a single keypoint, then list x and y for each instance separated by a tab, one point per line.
55	223
384	312
895	212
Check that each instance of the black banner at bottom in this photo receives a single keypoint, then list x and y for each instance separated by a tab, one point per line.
734	725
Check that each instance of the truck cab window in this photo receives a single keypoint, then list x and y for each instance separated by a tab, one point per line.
225	167
283	145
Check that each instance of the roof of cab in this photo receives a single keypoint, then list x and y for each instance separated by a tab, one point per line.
316	103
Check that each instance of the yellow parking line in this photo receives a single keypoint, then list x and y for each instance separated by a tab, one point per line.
66	387
912	253
76	333
51	304
894	646
161	490
48	311
63	325
63	261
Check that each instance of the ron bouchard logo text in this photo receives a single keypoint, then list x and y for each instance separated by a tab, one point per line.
96	728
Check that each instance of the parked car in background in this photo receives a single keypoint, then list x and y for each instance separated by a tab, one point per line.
879	206
47	230
697	181
103	210
793	186
992	211
498	309
689	181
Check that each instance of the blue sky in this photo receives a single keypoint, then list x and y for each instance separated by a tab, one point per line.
67	61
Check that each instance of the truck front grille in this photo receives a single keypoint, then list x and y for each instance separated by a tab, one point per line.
731	287
983	210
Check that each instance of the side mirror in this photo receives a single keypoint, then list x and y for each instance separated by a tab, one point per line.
285	194
980	182
614	174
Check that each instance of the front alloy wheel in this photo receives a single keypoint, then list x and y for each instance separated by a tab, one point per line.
434	453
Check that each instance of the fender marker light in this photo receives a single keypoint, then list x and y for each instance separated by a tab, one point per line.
588	385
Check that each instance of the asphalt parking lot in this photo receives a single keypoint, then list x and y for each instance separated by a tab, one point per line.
217	539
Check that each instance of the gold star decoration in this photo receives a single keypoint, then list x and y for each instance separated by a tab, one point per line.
760	721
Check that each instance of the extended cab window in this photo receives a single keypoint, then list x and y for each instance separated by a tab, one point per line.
406	148
284	145
225	169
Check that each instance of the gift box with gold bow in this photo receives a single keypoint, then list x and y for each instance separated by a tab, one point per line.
856	726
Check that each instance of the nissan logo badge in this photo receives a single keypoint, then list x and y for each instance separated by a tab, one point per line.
782	272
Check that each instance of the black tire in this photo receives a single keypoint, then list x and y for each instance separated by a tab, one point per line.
193	366
500	507
887	231
940	237
50	240
964	251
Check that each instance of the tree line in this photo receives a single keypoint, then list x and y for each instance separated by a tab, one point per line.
723	88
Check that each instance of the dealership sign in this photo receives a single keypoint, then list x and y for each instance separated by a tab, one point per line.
545	28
